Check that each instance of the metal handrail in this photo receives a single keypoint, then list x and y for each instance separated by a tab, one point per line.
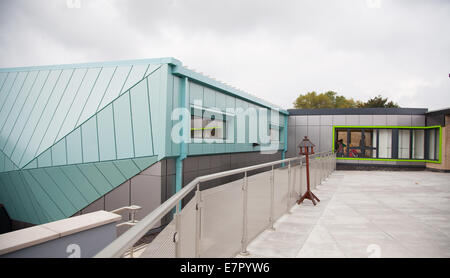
127	239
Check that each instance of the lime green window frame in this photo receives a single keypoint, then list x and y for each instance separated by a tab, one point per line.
439	160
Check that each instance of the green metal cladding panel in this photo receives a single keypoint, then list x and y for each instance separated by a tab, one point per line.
47	194
71	133
123	129
41	105
210	98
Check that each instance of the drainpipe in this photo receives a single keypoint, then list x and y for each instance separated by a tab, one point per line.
283	154
184	102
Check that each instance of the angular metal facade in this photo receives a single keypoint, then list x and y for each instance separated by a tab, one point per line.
69	134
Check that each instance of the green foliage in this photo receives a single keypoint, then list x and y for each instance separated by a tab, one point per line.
329	99
378	101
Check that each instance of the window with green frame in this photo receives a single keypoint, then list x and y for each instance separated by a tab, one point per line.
388	143
207	124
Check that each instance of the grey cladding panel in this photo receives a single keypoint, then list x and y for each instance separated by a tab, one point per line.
338	119
145	192
291	120
417	120
366	120
326	120
326	137
300	133
379	120
352	119
313	120
301	120
404	120
314	135
99	204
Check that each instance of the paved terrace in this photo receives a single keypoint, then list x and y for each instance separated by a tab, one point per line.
366	214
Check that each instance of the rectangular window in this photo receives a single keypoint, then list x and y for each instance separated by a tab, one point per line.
387	143
207	124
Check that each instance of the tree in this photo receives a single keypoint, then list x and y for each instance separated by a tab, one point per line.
378	101
330	99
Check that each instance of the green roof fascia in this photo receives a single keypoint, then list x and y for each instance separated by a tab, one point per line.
166	60
181	71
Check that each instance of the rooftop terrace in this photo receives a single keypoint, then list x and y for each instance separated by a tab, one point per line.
366	214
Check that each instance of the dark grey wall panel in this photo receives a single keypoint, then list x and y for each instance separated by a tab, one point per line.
145	192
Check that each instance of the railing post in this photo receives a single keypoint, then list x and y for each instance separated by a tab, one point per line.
272	199
288	204
176	236
300	177
198	224
244	240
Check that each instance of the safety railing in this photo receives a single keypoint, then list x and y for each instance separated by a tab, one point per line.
221	221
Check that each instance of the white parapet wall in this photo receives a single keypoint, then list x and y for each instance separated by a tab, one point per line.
76	237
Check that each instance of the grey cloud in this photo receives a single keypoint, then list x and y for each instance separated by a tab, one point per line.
273	49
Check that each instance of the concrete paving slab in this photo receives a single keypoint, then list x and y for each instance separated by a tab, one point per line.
366	214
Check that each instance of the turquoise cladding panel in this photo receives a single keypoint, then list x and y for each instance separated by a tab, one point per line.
41	105
140	114
217	100
24	115
47	194
123	129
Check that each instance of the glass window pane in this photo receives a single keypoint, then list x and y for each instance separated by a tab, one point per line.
431	144
403	143
385	144
106	136
354	149
341	142
418	144
196	127
368	149
122	118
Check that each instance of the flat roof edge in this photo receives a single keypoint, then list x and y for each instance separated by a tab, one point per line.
359	111
165	60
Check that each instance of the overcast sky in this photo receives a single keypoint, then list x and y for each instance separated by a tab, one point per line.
275	50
